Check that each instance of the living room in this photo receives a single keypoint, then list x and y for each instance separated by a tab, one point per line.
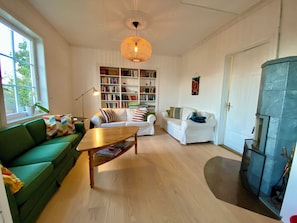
74	69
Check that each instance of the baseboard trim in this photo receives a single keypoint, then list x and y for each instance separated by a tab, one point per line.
231	150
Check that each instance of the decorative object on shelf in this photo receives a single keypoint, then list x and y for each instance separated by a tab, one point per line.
95	93
136	48
195	85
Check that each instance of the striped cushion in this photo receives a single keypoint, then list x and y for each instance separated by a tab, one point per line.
139	115
108	115
175	112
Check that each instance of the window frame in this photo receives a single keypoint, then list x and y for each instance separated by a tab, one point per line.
39	72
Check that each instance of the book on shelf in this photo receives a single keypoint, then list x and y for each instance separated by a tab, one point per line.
109	151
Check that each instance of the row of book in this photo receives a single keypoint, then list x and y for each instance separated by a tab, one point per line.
147	97
110	105
110	97
110	89
109	80
113	150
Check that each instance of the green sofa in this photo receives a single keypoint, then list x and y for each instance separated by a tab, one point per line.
40	163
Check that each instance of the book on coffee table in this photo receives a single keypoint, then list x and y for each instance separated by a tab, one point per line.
109	151
123	145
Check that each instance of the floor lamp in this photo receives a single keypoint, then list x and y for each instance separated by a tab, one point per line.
95	92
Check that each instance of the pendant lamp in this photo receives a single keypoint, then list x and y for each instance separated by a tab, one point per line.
136	48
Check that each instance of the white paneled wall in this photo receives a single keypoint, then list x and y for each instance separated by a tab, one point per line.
85	63
208	59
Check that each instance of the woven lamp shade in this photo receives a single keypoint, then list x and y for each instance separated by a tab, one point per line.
129	45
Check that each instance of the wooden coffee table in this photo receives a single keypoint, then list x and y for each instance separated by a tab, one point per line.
98	138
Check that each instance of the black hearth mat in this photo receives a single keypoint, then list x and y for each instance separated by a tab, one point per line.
223	179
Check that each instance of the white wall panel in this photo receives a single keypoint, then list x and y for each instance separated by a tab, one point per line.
208	59
57	54
84	73
288	37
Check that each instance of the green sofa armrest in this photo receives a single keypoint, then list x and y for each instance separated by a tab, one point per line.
80	127
12	205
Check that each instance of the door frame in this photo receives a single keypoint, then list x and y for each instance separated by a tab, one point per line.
272	45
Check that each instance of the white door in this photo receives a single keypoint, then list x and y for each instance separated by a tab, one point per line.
244	83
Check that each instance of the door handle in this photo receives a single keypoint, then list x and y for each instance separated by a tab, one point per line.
228	106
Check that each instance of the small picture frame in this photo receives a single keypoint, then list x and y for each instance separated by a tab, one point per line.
195	85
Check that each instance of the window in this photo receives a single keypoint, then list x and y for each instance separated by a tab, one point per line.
20	76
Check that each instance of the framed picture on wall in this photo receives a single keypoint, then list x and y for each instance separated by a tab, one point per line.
195	85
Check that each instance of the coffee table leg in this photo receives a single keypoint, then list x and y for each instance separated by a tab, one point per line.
91	168
135	139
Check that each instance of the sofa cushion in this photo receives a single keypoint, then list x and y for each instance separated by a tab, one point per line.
51	126
130	113
14	140
113	124
108	115
174	123
120	114
175	112
54	153
37	130
73	139
33	176
65	124
100	116
139	124
187	113
59	125
139	115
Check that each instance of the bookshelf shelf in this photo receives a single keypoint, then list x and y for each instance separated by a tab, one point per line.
128	88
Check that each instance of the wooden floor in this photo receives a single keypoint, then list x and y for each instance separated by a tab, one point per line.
163	183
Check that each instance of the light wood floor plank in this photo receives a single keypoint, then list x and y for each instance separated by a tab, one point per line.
163	183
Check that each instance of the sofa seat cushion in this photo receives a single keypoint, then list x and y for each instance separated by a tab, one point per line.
139	124
54	153
174	123
73	139
33	176
113	124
